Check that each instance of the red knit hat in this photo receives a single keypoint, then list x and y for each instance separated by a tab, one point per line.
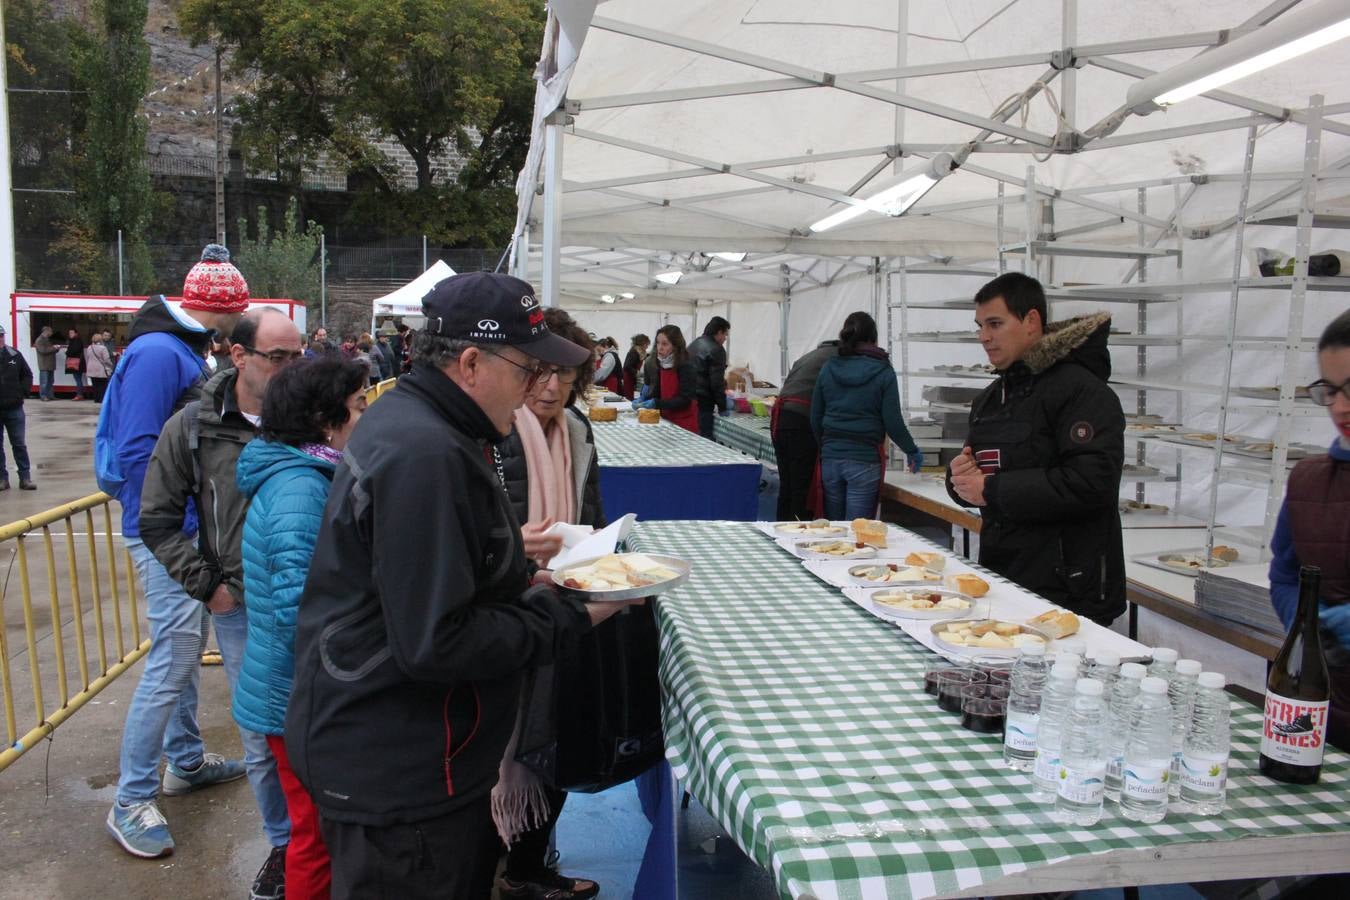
214	285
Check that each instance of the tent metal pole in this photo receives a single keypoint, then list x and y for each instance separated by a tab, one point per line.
552	221
784	314
1068	98
901	57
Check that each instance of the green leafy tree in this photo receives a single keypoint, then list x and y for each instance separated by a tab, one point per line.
281	263
335	76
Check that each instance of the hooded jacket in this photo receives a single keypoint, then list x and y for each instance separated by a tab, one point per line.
855	405
173	478
161	371
286	489
800	385
585	472
16	378
1050	434
417	622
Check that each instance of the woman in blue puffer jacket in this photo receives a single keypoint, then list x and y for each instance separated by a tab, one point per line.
308	414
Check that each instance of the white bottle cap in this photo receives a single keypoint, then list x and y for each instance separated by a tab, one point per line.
1164	655
1213	680
1133	670
1106	660
1188	667
1033	650
1064	671
1088	687
1070	657
1154	685
1073	645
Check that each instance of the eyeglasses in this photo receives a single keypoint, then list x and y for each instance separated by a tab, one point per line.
565	376
534	373
1323	392
275	357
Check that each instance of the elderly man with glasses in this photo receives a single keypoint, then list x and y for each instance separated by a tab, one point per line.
419	622
194	464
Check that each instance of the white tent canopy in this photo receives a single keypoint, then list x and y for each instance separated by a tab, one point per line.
407	300
669	132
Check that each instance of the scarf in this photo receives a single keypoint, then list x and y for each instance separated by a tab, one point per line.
519	803
322	451
667	362
548	462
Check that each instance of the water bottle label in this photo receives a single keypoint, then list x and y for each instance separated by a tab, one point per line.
1204	774
1020	731
1114	765
1147	781
1047	765
1083	784
1176	766
1294	730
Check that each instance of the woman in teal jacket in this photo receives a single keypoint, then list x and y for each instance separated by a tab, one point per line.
854	407
308	414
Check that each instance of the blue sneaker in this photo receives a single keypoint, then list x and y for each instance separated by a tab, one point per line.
215	769
141	829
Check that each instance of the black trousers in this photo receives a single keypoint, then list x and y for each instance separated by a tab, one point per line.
450	858
707	414
528	856
796	452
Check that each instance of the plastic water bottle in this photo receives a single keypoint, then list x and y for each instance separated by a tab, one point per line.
1055	701
1024	708
1180	693
1069	657
1082	757
1164	663
1073	644
1104	667
1148	754
1204	758
1119	707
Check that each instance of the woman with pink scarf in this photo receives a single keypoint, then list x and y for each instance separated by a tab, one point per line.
549	468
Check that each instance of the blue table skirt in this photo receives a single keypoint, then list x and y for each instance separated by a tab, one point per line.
682	492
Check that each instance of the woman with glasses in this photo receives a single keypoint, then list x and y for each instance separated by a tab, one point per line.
1314	527
551	475
668	380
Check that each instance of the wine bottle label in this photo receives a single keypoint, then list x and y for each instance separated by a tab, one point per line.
1294	730
1082	784
1020	731
1146	780
1047	765
1204	773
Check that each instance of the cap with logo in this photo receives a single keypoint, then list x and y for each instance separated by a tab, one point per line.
496	310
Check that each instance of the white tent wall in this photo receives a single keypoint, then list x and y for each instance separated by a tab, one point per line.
622	324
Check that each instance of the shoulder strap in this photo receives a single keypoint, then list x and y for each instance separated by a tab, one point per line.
194	427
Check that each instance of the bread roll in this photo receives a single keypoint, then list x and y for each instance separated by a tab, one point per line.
1227	554
1056	623
969	584
603	414
924	559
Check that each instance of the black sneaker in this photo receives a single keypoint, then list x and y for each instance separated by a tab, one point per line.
271	881
546	885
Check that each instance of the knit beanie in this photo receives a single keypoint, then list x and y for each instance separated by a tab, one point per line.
214	285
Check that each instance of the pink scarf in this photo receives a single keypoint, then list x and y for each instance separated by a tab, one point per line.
548	461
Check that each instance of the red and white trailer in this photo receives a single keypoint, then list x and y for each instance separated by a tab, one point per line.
29	312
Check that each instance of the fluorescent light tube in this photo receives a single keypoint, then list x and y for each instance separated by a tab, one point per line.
1292	34
670	277
729	256
606	298
893	201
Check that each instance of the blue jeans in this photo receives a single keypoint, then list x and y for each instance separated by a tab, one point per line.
851	488
162	719
46	384
13	421
79	383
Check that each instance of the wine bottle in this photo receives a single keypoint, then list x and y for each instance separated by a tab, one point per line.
1293	736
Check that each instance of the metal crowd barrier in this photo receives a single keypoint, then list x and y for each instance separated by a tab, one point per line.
47	639
373	393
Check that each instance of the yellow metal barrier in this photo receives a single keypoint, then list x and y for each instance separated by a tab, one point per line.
373	393
45	641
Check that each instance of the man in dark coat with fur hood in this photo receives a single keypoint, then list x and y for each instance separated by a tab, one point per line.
1044	455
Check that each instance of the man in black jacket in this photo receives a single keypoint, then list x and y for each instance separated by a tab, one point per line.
1044	455
794	443
708	355
418	620
16	380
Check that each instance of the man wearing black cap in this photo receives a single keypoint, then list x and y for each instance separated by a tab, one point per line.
418	619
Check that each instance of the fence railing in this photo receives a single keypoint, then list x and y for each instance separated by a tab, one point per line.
70	614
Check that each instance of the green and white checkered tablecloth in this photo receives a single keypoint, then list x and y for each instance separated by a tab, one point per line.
798	720
746	433
626	443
